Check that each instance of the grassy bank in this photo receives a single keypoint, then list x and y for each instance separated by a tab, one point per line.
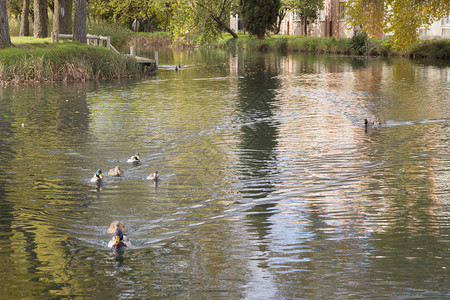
360	46
374	47
37	60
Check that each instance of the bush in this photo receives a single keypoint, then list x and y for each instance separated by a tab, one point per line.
119	35
359	43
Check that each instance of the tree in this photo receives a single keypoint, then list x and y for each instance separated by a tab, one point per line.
40	18
307	9
25	19
201	20
79	22
124	12
259	16
399	18
5	39
62	20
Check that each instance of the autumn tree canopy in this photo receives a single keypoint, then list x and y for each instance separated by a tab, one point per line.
399	18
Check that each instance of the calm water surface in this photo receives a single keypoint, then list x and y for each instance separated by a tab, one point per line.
270	187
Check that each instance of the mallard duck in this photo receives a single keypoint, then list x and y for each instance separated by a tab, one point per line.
377	122
116	172
135	159
380	121
119	239
98	176
153	176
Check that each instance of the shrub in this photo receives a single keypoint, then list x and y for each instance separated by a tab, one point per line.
359	43
119	35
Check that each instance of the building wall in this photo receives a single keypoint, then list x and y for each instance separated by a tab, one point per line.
439	29
329	23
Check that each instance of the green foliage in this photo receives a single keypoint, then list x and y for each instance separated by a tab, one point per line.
437	49
288	43
14	27
362	44
119	34
358	43
399	18
305	8
200	21
66	61
151	13
258	17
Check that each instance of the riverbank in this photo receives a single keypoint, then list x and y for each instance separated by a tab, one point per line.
360	45
38	60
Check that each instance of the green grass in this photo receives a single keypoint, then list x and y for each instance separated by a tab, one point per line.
21	40
119	34
433	49
286	43
40	61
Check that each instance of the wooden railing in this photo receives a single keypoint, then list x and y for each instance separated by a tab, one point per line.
96	40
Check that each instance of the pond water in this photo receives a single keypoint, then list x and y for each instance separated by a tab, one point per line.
270	188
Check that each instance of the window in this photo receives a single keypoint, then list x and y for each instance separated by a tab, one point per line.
297	16
446	21
423	32
322	15
341	11
240	25
446	33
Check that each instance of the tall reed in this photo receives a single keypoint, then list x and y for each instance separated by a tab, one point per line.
67	61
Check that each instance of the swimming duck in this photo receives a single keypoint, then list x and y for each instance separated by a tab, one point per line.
377	122
98	176
135	159
116	172
119	239
380	121
153	176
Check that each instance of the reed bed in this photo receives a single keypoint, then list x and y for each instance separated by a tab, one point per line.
66	61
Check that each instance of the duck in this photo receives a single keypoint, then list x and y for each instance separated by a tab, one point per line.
153	176
116	172
380	121
135	159
119	239
377	122
98	176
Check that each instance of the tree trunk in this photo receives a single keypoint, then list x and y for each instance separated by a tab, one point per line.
79	22
166	21
40	19
62	20
281	15
5	39
65	22
25	19
56	17
224	26
305	24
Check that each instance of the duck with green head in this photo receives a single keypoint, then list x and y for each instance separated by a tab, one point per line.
119	240
136	158
98	176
